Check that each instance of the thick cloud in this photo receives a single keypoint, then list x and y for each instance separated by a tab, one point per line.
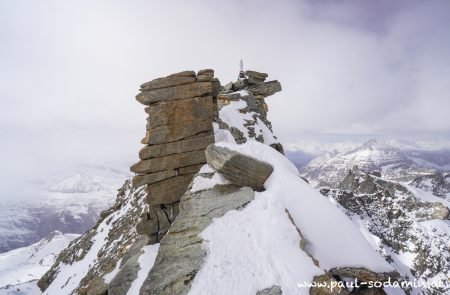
69	70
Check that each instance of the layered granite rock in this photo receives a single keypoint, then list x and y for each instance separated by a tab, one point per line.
180	110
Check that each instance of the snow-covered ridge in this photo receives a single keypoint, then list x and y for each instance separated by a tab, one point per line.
28	264
269	252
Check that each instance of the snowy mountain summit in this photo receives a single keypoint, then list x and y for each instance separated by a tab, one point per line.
374	157
216	208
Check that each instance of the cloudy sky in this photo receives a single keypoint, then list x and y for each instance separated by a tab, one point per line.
69	70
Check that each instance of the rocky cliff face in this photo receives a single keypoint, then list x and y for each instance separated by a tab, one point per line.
408	226
112	244
438	183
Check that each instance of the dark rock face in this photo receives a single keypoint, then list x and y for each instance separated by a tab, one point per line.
181	253
238	168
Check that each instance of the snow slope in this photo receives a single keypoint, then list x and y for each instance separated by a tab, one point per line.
257	247
30	263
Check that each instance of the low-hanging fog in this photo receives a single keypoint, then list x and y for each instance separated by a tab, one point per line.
69	71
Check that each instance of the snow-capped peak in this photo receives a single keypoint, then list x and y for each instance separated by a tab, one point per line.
372	156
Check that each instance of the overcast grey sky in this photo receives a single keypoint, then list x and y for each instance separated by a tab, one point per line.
69	70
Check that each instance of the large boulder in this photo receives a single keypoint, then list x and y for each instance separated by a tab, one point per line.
238	168
265	89
254	77
205	75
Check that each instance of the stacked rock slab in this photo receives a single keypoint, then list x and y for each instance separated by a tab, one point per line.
180	110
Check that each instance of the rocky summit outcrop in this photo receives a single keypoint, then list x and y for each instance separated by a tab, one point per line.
238	168
180	110
158	236
245	98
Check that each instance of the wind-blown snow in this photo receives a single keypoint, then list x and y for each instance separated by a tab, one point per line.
202	183
146	261
258	246
253	249
231	115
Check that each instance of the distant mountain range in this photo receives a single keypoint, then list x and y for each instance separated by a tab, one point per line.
69	202
387	161
398	196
